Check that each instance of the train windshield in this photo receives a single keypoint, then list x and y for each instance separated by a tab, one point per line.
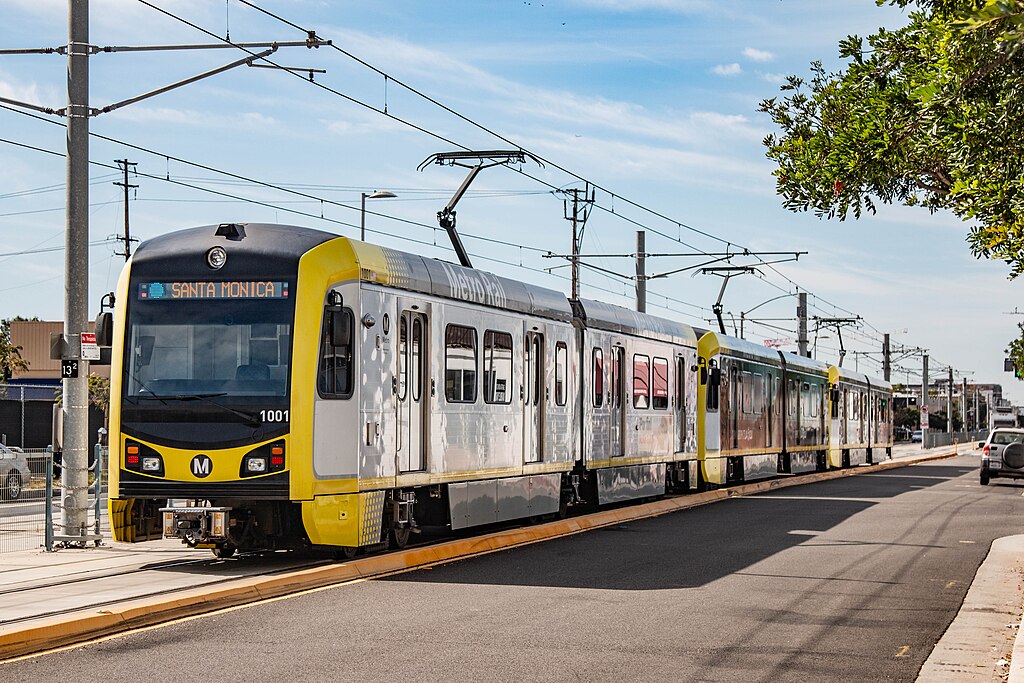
188	353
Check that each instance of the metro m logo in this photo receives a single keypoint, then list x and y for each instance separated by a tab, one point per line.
202	465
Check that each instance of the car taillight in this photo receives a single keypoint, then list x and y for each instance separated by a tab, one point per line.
984	451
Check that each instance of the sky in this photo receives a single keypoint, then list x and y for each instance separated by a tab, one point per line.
652	102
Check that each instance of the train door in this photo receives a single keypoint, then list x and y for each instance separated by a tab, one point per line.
412	400
680	406
534	398
618	413
735	396
768	403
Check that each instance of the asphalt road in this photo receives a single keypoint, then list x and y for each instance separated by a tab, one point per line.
853	579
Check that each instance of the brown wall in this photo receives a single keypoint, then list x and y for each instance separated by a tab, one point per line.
33	336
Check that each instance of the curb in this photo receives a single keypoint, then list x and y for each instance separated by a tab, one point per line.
133	614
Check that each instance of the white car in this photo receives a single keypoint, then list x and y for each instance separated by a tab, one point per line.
14	473
1003	454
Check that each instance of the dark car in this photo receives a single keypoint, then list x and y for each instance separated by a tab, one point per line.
1003	455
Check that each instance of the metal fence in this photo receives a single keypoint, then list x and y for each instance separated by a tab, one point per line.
30	513
935	438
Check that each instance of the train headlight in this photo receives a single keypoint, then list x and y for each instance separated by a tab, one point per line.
151	463
216	258
256	465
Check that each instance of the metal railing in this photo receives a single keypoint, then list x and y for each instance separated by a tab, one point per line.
935	439
30	518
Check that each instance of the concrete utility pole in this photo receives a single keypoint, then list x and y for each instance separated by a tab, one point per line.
75	405
949	404
127	239
801	316
963	405
641	271
924	396
977	415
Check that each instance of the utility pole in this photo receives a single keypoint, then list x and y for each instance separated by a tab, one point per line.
74	368
977	415
801	316
580	213
127	239
963	405
641	271
75	404
924	399
886	358
949	404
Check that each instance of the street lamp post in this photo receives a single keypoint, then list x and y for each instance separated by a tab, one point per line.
363	196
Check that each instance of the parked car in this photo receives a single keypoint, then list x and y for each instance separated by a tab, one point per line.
916	436
14	473
1003	454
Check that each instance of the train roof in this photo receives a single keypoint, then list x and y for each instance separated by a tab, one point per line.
804	364
601	316
836	373
715	342
417	273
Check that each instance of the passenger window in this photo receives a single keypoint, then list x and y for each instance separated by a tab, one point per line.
460	364
616	388
747	389
403	358
641	382
561	363
598	377
334	374
659	395
497	367
417	359
793	398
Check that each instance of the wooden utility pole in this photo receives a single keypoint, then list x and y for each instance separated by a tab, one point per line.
127	239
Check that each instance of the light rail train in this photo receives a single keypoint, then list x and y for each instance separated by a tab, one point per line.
301	389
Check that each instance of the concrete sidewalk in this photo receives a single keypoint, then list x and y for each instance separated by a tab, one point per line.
979	642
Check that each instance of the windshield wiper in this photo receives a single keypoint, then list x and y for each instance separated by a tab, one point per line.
251	419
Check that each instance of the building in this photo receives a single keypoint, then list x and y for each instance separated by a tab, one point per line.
34	338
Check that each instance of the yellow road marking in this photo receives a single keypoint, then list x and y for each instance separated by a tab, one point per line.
903	651
950	584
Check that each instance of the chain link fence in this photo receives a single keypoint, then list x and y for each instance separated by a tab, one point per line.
934	438
30	501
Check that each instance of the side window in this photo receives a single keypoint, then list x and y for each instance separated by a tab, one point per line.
659	395
757	390
815	399
497	367
460	364
617	375
641	381
598	377
335	369
403	358
681	384
417	359
712	388
561	364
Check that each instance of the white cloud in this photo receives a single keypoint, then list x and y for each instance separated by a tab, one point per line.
753	54
776	78
733	69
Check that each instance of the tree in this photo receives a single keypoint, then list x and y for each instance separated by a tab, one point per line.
10	355
929	115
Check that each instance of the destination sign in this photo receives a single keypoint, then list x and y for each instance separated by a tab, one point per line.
233	289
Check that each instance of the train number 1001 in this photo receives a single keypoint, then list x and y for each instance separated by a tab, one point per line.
274	415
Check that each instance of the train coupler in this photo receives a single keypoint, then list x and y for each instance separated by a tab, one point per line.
197	525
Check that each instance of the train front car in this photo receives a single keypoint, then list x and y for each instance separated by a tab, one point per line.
201	405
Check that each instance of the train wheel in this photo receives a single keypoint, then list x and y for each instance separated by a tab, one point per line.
346	552
399	536
224	551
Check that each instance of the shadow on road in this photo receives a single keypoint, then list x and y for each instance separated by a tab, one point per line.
693	547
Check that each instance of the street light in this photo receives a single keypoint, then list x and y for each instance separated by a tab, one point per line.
376	194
